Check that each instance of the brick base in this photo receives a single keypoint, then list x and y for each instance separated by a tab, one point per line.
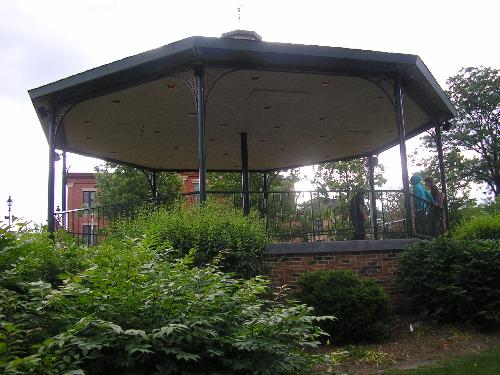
371	259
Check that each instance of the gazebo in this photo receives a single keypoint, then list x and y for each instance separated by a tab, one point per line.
237	103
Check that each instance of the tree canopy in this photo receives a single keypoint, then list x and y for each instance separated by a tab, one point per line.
475	92
118	184
347	175
457	183
471	147
232	181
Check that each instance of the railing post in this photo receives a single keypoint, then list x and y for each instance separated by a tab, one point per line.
50	186
312	216
200	121
400	122
372	197
265	189
245	174
154	187
442	175
64	183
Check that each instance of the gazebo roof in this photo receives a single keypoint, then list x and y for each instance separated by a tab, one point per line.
299	105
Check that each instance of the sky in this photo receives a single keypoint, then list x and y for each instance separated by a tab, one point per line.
43	41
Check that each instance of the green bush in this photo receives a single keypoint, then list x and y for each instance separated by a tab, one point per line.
209	230
29	256
133	310
453	280
362	309
485	226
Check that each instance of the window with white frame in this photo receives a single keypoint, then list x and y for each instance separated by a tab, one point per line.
89	235
89	198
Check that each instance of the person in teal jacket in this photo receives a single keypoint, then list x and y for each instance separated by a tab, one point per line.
423	204
421	196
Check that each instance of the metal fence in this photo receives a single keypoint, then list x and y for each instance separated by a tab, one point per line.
428	219
290	216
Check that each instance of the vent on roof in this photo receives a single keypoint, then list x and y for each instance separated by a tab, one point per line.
242	34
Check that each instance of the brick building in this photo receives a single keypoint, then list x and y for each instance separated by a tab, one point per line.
81	193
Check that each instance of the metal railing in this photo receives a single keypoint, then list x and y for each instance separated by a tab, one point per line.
290	216
428	218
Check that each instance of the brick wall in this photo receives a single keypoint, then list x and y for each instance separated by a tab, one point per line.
371	259
77	183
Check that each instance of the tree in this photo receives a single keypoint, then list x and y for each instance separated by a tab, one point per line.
457	182
282	204
232	181
337	181
118	184
347	175
475	92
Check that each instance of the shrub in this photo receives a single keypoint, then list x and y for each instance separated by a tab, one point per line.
361	308
209	229
485	226
135	311
453	280
32	256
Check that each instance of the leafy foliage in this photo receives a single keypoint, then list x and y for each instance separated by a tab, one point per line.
347	175
457	183
471	147
29	257
208	229
453	280
277	181
117	184
337	183
362	308
124	308
232	181
479	227
476	94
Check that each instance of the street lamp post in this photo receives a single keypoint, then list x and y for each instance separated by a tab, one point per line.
9	205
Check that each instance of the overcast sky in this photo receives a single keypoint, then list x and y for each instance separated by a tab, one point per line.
43	41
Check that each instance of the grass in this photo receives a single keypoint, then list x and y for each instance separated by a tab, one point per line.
360	356
484	363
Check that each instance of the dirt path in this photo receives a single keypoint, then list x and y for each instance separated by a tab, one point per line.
425	345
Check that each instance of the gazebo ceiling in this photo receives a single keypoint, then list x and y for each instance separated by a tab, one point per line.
299	105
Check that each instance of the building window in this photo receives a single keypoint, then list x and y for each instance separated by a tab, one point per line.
88	199
89	236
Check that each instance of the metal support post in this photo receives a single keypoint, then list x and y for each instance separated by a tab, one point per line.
400	121
64	183
154	187
265	189
245	174
200	120
51	183
442	174
373	202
